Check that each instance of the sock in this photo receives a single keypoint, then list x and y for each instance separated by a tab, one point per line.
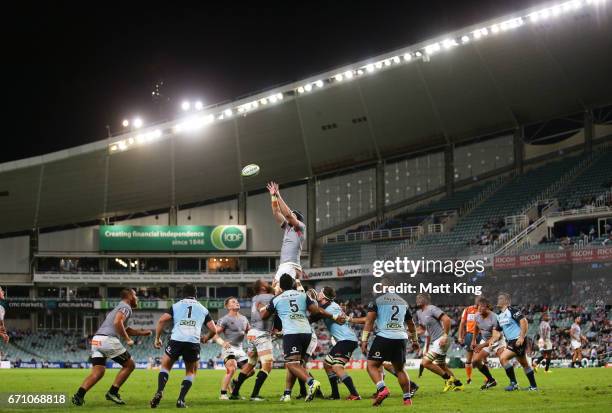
302	387
310	381
81	392
547	364
510	373
162	379
468	370
484	369
238	382
406	396
185	386
380	385
333	382
287	392
421	368
531	376
456	381
348	382
113	390
446	376
223	391
259	381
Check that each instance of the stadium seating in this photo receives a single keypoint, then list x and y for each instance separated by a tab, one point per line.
590	184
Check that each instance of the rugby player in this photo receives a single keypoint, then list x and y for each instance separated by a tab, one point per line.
260	343
341	352
292	223
105	344
576	340
233	326
188	316
514	325
466	331
485	322
437	324
544	343
3	308
392	317
291	306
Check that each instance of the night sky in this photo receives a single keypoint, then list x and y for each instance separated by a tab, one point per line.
72	69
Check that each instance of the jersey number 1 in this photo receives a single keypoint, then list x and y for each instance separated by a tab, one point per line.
189	311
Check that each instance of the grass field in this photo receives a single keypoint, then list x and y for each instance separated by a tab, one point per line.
575	390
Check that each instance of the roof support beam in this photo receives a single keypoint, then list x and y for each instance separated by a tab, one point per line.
432	104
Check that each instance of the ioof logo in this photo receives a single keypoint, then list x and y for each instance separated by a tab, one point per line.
294	348
227	237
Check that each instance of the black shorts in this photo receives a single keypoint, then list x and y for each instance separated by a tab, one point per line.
343	349
189	351
518	350
295	345
388	349
121	359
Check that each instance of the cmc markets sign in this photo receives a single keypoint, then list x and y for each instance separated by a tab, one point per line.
173	238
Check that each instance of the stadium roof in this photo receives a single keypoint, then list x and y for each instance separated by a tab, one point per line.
537	64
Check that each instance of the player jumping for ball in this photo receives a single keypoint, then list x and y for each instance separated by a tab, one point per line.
105	344
292	223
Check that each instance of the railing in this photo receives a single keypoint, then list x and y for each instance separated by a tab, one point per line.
433	228
497	182
584	210
519	220
378	234
514	241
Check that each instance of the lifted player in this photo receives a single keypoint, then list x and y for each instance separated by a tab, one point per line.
291	306
260	343
341	352
392	317
105	344
438	325
514	325
466	331
576	341
485	320
292	223
189	316
233	326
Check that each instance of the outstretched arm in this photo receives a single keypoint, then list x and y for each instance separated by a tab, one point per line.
276	212
284	208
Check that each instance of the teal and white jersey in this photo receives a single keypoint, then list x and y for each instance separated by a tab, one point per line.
291	307
509	322
338	332
392	313
189	316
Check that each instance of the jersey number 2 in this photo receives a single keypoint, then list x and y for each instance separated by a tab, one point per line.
395	309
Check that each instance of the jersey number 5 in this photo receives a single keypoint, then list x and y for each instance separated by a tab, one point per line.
293	305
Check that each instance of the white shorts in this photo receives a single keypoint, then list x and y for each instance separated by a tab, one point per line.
106	347
234	352
259	341
493	348
287	268
545	345
313	345
576	344
435	347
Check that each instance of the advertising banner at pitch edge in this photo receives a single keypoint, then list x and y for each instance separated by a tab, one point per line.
173	238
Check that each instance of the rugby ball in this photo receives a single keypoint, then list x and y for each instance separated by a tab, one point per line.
250	170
